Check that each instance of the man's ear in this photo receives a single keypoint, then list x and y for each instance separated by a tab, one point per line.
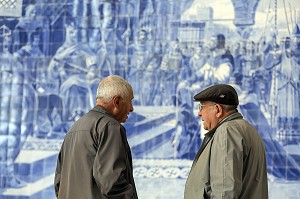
219	110
116	101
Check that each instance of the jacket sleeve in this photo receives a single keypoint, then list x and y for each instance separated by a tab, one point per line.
110	164
226	163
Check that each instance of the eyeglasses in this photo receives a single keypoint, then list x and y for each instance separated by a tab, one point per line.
203	105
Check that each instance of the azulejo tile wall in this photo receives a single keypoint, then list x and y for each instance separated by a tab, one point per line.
54	53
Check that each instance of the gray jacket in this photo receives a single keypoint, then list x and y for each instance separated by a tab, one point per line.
232	164
95	160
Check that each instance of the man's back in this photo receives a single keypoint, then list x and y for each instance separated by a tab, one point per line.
89	156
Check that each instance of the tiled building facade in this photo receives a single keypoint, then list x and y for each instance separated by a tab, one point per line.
54	53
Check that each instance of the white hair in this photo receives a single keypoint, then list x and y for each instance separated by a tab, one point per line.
112	86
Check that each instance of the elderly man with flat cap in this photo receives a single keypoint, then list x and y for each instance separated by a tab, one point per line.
231	163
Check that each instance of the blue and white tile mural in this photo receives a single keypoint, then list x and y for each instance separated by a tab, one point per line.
53	53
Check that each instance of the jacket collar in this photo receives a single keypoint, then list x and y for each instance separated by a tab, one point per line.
211	133
230	117
101	109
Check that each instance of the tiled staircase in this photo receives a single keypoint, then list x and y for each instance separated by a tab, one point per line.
148	129
35	165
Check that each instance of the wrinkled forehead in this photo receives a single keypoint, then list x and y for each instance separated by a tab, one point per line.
205	102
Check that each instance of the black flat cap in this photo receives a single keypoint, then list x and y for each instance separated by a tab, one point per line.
220	93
